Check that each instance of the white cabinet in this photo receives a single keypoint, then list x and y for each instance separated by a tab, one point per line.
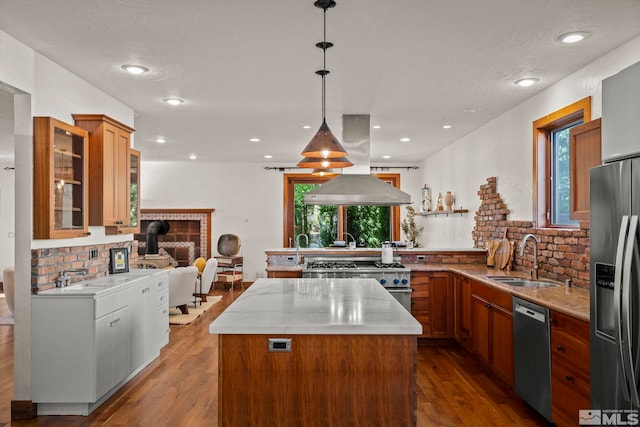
112	350
87	341
150	302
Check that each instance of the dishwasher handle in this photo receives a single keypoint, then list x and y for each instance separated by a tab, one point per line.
536	315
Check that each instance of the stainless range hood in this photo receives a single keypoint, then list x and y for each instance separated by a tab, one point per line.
356	187
361	190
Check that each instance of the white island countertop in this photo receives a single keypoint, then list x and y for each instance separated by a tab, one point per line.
316	306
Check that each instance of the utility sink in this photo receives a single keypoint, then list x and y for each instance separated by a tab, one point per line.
523	283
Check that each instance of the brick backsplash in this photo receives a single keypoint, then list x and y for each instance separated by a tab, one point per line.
444	257
46	264
562	253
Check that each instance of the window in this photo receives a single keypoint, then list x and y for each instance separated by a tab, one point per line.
560	187
553	192
369	225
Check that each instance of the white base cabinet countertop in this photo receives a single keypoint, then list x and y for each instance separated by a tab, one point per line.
90	338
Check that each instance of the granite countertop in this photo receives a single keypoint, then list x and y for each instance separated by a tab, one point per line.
100	286
316	306
573	301
347	251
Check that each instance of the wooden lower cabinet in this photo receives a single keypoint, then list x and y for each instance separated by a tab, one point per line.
432	303
284	274
570	379
323	380
462	310
492	329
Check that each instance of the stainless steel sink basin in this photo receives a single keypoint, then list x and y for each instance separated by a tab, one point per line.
523	283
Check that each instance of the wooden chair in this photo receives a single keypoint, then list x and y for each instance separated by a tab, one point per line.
181	282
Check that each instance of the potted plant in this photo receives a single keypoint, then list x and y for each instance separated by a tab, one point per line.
409	227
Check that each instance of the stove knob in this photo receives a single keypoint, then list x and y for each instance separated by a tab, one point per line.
404	281
383	281
396	281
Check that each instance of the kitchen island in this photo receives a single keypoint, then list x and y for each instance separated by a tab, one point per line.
316	352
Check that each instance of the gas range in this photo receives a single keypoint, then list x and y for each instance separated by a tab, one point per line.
393	275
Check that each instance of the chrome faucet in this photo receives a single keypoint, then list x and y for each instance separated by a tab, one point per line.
298	246
349	235
65	280
523	244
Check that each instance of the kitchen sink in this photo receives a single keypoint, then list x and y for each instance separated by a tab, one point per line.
523	283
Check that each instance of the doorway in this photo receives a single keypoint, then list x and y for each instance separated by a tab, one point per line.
7	179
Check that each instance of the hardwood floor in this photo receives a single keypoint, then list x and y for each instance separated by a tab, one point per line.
180	387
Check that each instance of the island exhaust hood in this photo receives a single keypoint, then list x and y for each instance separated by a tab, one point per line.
357	187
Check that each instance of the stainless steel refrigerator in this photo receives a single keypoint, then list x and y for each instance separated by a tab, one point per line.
615	285
614	249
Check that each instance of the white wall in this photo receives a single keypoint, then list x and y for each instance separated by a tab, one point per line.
7	214
504	148
41	88
247	200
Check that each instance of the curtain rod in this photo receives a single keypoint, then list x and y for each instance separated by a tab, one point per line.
376	168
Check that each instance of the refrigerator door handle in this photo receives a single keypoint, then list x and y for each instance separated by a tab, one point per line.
628	328
617	304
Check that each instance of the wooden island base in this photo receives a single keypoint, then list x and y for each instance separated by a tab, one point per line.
325	380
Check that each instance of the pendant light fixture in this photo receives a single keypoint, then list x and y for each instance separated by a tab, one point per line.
324	145
320	163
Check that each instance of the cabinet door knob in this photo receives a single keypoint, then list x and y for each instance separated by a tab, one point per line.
569	378
561	348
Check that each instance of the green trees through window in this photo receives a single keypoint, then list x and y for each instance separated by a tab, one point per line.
369	225
561	186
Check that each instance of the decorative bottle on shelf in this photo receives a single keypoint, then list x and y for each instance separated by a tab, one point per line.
426	199
448	201
439	204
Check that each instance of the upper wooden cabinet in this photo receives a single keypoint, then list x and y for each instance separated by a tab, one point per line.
60	191
133	225
585	152
109	172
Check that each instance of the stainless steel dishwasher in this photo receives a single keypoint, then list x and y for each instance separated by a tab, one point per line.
532	355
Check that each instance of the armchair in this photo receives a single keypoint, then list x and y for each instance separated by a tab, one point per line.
181	282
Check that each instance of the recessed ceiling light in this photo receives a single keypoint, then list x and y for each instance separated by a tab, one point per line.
446	127
405	139
160	140
254	139
472	109
528	81
306	127
386	156
173	101
193	157
268	156
574	37
376	126
135	69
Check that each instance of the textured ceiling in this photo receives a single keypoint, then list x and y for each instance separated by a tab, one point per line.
247	68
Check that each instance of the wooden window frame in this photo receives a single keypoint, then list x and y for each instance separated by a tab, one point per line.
542	129
291	179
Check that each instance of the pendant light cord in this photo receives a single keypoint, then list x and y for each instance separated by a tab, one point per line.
324	61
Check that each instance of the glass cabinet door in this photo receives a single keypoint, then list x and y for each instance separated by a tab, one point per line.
68	173
60	179
134	189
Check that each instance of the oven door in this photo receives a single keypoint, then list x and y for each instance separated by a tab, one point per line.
403	296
